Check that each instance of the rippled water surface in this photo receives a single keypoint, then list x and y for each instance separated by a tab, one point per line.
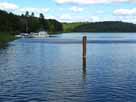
50	70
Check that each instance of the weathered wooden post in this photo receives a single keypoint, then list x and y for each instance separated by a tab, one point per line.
84	50
84	46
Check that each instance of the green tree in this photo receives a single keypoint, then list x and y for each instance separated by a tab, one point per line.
43	22
27	14
32	15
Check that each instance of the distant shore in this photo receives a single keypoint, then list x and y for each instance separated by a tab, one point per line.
105	27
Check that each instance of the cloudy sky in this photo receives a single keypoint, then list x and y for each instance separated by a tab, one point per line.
75	10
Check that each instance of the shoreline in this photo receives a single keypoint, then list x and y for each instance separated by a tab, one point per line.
5	38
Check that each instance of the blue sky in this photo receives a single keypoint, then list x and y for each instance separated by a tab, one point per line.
75	10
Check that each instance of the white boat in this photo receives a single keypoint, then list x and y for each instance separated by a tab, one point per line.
24	35
41	34
18	36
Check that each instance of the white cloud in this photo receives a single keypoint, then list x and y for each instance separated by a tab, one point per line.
70	18
91	1
8	6
73	18
76	9
65	17
125	12
95	18
37	11
131	19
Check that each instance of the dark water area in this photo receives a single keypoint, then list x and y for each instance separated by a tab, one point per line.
51	70
3	45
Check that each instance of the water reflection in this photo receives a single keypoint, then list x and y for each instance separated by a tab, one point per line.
3	46
84	68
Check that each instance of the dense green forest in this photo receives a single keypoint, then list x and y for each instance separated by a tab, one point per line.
107	26
15	24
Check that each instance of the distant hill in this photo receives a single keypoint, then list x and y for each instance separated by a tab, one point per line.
106	26
68	27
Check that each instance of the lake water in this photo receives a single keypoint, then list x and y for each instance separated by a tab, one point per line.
51	70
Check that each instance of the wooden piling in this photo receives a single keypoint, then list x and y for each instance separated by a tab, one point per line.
84	50
84	46
84	63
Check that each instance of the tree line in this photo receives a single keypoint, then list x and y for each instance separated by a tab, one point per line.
27	23
106	26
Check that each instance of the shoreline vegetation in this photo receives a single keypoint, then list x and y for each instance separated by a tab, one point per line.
5	37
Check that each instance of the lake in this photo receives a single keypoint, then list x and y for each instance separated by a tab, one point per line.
51	70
